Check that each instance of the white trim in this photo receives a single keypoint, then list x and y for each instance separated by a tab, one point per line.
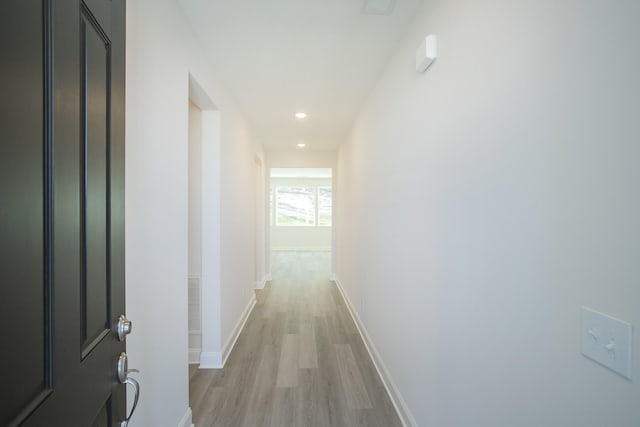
217	360
268	277
301	248
210	360
260	284
210	273
235	333
187	419
194	356
396	398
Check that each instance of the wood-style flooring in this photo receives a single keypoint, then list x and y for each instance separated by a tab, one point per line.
298	362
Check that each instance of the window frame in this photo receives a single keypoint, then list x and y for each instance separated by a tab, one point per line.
318	187
273	196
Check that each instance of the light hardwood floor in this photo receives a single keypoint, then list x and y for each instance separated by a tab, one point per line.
298	362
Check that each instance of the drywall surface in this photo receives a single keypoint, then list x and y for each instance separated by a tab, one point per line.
300	238
301	159
482	203
238	222
162	53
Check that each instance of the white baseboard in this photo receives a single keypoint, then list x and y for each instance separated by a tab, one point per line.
210	360
217	360
260	284
301	249
396	398
194	355
235	333
186	420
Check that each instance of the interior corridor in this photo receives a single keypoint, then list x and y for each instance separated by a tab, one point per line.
299	361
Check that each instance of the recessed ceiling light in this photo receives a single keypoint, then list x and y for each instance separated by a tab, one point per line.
301	115
302	145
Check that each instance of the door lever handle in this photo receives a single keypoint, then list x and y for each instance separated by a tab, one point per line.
136	387
123	372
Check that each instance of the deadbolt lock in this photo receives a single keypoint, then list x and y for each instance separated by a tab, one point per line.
123	327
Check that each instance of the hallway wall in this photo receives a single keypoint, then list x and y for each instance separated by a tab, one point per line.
161	53
482	203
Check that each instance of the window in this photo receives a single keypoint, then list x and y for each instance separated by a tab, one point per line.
307	206
324	206
295	206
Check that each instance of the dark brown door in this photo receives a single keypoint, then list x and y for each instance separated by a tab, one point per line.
61	211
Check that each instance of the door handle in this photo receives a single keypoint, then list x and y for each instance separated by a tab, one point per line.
124	378
136	388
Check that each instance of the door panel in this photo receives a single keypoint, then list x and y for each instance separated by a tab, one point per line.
22	204
102	420
103	13
62	211
94	58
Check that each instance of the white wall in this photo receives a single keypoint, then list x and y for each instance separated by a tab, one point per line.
300	238
238	225
481	204
301	158
161	53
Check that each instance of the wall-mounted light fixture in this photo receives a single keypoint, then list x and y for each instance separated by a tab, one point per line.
426	53
301	115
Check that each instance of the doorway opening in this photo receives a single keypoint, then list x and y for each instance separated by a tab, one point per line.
204	226
260	235
195	233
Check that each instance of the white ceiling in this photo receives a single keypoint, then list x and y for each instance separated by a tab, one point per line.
281	56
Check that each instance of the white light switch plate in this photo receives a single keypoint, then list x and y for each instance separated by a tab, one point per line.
607	341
